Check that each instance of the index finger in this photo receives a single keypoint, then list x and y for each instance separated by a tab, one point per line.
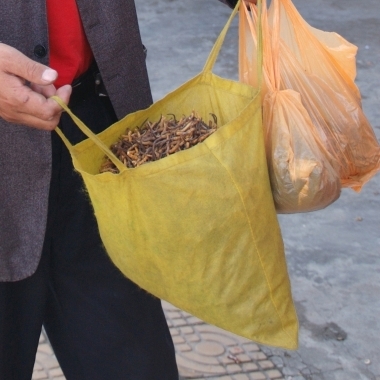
36	105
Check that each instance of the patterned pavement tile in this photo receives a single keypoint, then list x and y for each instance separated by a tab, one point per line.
46	366
203	352
207	352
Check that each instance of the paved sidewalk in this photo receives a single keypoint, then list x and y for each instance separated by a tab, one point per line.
203	351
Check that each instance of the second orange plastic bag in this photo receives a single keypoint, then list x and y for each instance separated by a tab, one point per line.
302	178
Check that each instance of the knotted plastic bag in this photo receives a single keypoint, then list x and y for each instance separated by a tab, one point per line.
301	175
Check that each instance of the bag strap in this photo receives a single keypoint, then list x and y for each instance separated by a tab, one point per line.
91	135
219	42
207	68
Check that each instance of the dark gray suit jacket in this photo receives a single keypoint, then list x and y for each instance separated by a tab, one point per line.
25	153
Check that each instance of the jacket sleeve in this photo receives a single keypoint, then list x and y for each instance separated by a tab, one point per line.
230	3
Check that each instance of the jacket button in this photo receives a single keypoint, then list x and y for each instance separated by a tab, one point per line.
40	51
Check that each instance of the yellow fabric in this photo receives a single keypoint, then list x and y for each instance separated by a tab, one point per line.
199	228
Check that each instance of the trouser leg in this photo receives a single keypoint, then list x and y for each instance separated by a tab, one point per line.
22	306
100	324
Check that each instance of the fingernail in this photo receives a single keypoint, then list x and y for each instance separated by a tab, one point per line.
49	75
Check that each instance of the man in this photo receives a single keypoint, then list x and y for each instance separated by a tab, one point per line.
53	269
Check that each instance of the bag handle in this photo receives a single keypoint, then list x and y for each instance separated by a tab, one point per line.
207	68
91	135
219	42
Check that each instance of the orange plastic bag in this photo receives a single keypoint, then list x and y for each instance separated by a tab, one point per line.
302	178
324	54
325	82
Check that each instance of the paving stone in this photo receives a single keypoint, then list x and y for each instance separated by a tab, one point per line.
236	350
37	367
173	314
168	306
290	371
266	364
45	348
210	348
201	358
218	338
277	361
186	330
178	322
56	372
233	368
250	367
50	363
227	360
188	373
177	339
306	371
183	347
174	331
200	368
193	338
274	374
243	358
257	376
251	347
241	376
193	321
258	355
222	335
39	375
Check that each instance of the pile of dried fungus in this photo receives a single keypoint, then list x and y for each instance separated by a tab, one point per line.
157	140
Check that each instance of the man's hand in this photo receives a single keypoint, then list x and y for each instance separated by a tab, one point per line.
28	104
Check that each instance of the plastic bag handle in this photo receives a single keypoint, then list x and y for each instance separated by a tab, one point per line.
91	135
219	42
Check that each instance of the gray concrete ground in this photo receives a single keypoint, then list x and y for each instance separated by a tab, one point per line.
334	254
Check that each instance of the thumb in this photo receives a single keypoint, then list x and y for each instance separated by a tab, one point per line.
64	93
14	62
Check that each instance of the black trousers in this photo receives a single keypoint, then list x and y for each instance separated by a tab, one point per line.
100	324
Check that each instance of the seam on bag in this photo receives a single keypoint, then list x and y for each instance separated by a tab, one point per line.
208	84
257	250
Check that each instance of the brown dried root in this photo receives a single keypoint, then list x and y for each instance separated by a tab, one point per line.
156	140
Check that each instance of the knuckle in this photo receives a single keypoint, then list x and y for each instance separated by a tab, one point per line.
6	112
10	116
51	123
48	115
31	69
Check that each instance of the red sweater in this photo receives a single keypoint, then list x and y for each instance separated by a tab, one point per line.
70	52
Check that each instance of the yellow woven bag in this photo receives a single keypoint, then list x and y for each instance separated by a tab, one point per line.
198	228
